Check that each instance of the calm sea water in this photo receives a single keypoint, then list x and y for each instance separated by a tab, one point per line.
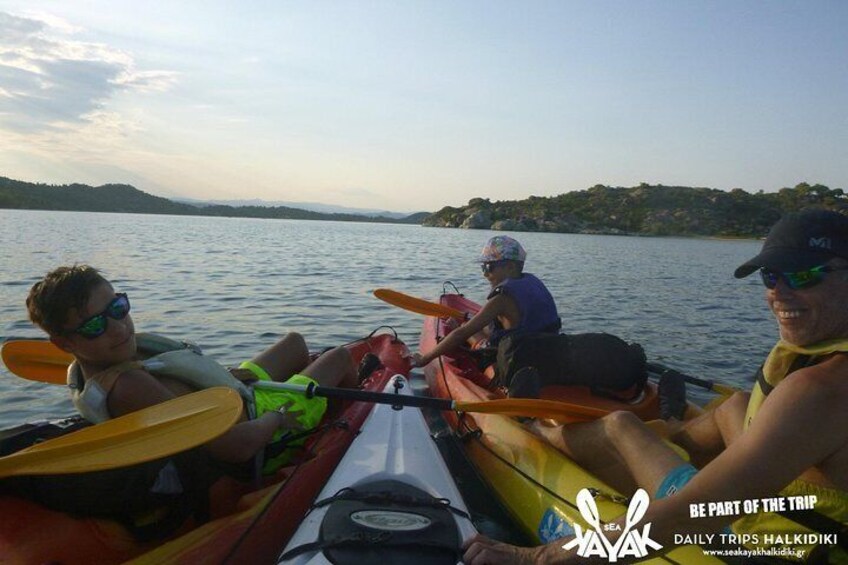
235	285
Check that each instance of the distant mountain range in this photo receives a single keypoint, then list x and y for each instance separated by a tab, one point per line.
311	206
128	199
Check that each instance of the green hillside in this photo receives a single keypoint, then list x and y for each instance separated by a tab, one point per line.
127	199
642	210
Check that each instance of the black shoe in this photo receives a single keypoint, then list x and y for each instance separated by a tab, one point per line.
367	365
525	383
672	392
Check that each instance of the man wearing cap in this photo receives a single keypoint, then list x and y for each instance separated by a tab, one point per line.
518	301
784	443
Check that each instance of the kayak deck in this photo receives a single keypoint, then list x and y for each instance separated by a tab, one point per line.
394	450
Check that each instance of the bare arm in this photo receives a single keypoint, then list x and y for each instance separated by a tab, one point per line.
139	389
247	438
801	425
497	306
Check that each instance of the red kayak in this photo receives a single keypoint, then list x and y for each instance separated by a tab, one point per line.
247	525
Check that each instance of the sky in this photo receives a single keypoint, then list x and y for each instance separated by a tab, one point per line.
412	105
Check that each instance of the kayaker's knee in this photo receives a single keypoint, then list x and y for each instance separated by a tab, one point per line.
340	355
295	341
732	411
736	401
621	423
333	368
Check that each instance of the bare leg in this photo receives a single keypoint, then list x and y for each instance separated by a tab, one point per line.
730	417
333	368
648	457
707	435
285	358
590	445
619	449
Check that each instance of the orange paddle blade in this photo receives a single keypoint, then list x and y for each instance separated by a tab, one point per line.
36	360
535	408
417	305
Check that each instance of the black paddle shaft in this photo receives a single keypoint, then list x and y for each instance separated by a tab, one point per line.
379	397
311	390
660	369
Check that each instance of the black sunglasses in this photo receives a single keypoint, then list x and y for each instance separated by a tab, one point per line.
490	266
96	325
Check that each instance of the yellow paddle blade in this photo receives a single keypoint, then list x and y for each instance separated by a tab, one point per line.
534	408
167	428
36	360
417	305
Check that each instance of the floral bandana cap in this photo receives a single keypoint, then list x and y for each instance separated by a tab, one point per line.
502	248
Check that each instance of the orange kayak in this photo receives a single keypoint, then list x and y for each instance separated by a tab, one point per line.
248	525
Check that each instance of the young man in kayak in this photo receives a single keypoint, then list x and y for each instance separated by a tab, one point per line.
518	301
785	445
83	315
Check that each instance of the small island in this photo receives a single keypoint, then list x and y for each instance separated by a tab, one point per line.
653	210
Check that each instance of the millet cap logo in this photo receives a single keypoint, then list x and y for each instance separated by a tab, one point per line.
631	542
820	242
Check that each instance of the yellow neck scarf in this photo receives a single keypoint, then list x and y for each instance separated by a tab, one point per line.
778	365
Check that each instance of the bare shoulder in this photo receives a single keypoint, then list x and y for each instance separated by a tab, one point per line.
501	305
825	380
495	306
824	388
136	389
814	397
498	302
804	423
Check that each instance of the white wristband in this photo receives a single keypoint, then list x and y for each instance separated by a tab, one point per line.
283	411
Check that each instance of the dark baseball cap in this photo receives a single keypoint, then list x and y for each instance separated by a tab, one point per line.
801	241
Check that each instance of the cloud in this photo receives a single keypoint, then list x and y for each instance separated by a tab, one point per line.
148	81
48	80
96	137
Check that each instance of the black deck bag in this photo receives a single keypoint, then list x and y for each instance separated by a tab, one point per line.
606	364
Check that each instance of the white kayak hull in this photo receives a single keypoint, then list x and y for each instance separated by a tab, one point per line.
391	491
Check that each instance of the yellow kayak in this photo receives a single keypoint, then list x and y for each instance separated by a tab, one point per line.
535	482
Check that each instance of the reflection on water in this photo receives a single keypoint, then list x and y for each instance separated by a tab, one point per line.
234	285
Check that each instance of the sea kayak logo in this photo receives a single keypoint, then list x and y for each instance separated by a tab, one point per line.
631	542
